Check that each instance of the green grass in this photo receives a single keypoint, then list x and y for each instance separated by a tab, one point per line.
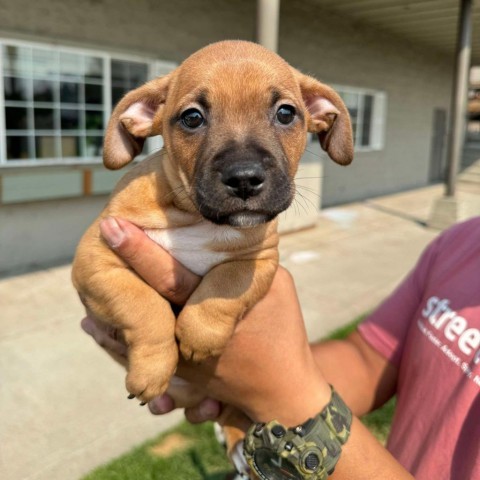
200	458
191	452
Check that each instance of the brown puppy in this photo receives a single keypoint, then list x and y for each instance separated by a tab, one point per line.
234	118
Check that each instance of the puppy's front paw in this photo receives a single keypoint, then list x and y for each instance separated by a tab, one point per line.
149	373
199	338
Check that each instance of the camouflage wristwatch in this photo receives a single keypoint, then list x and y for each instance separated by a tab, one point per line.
307	452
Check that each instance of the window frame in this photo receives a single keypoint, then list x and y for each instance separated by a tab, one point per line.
155	67
378	117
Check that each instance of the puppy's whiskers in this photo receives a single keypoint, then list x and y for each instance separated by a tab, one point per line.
307	202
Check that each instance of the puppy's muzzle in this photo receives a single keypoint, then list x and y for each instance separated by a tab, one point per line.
244	180
243	185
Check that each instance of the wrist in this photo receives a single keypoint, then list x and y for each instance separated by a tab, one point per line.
308	451
300	397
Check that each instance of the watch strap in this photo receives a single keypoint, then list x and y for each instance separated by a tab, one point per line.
313	447
338	417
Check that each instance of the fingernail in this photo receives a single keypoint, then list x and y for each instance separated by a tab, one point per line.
161	405
208	410
87	326
112	232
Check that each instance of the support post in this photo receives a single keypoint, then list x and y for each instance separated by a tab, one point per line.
459	95
268	14
447	210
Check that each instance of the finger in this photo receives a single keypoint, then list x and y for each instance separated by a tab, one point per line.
161	405
156	266
102	337
207	409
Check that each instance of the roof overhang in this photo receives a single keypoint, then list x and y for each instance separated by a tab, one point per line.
429	23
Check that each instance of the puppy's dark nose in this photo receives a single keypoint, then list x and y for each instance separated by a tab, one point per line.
244	180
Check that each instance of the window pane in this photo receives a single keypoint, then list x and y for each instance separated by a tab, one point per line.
44	63
17	148
138	74
71	147
93	120
117	94
17	60
119	71
367	120
70	119
16	118
94	68
126	76
43	90
94	146
93	94
71	65
44	118
16	88
69	92
351	102
45	146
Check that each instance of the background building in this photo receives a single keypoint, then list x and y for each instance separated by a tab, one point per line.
64	63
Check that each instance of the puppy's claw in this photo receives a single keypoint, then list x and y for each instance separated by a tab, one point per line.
143	403
132	395
148	376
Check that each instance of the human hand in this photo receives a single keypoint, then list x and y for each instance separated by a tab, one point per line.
174	282
267	369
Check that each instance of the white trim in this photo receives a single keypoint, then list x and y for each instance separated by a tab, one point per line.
3	137
379	118
107	93
102	52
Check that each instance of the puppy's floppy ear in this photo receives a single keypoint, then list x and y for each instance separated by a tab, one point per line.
137	116
328	117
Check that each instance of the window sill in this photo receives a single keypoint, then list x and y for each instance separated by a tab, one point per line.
17	166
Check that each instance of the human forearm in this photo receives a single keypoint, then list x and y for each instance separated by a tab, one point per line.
364	458
364	379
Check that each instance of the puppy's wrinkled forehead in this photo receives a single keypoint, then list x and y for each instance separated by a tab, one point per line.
220	73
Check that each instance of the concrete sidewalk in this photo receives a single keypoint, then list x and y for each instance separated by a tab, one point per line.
63	404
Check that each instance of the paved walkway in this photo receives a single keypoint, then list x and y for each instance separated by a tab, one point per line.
63	405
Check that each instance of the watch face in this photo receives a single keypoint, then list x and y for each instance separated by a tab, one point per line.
273	467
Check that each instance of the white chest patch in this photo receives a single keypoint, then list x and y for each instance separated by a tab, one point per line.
190	245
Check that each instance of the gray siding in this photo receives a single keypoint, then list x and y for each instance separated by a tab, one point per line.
166	29
415	80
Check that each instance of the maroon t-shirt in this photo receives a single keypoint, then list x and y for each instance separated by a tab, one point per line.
430	329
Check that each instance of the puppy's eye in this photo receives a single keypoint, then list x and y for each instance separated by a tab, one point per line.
285	114
192	118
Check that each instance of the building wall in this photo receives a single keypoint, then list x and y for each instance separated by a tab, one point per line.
39	234
169	30
416	81
335	50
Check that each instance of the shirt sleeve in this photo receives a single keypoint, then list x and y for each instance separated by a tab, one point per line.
386	328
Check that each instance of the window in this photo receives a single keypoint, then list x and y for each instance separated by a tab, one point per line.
56	101
367	111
